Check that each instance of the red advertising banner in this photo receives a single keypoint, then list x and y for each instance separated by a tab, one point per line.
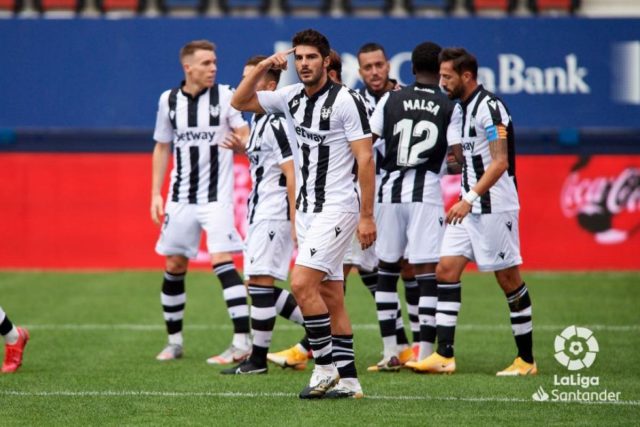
91	211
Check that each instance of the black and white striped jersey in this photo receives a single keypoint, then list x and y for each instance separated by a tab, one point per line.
418	123
482	112
268	148
202	171
324	125
378	146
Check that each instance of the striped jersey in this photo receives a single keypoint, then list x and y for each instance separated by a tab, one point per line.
268	148
418	123
202	171
324	125
378	146
482	112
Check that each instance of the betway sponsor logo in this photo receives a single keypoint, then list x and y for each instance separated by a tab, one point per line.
195	136
309	135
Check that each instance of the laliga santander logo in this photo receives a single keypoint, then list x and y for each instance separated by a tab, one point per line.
576	348
605	202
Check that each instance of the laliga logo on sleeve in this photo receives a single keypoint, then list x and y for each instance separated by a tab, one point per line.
576	348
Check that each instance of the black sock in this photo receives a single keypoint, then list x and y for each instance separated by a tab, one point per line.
387	304
5	324
427	310
263	319
370	280
173	299
412	297
521	321
449	301
343	356
319	333
235	296
286	305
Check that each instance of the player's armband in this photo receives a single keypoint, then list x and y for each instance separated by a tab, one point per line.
495	133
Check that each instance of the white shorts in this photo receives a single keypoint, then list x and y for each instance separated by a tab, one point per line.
491	240
323	240
268	249
412	231
184	223
365	260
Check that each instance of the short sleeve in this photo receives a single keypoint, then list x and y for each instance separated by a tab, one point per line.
454	130
163	131
235	118
493	112
354	117
273	102
377	117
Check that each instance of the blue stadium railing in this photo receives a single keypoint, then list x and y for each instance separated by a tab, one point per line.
528	141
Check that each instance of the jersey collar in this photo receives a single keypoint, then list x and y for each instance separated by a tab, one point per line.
188	95
319	93
472	96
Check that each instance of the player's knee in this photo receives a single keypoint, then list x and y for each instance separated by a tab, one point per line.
509	279
446	273
389	266
176	264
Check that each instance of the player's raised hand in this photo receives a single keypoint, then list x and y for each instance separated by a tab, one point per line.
366	232
279	61
157	209
234	142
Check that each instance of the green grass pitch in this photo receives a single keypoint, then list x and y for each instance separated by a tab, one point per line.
94	337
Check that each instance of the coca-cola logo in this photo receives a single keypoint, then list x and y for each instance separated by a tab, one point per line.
595	198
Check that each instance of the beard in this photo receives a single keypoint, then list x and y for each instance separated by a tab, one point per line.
312	79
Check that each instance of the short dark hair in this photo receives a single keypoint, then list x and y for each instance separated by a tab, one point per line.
273	74
311	37
335	63
192	46
425	58
371	47
462	60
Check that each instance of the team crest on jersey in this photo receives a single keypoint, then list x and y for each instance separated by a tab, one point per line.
214	110
325	112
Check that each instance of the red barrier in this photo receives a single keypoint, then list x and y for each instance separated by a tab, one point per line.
92	211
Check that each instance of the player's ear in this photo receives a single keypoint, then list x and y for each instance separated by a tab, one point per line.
272	85
326	61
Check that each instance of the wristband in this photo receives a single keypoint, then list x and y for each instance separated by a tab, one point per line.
470	197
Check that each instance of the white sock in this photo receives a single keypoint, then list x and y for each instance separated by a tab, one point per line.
176	339
12	336
426	348
241	341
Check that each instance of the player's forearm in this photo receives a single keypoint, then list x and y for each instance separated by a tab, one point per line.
245	97
493	173
366	179
160	162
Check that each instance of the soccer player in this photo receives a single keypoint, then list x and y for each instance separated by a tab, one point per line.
374	70
484	223
15	340
332	133
418	124
196	117
270	238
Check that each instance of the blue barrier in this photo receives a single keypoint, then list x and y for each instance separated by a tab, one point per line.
105	74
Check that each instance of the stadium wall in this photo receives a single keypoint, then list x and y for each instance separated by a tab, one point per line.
105	73
75	132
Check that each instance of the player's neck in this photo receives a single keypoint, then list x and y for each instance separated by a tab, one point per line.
468	91
193	88
311	90
389	85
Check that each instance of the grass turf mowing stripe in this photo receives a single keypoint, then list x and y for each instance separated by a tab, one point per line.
141	393
291	327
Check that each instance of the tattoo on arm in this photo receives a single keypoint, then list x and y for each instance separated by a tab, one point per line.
498	149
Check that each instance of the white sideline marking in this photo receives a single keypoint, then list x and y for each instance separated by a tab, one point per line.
292	327
129	393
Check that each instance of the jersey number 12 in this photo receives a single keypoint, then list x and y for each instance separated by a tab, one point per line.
410	151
